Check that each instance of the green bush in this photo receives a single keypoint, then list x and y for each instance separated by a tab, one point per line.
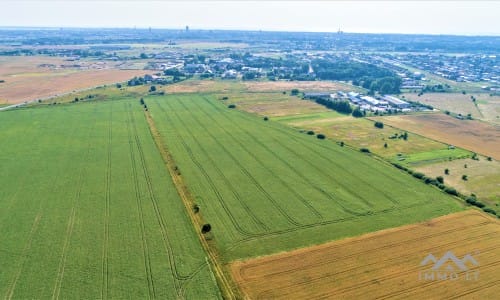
379	125
321	136
418	175
490	211
451	191
310	132
471	200
365	150
231	106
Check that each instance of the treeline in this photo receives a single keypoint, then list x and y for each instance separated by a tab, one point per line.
366	75
342	107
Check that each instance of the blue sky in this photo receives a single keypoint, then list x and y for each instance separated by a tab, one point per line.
433	17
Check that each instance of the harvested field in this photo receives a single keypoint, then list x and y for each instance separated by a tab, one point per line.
472	135
483	177
268	86
25	80
274	104
487	108
204	86
384	264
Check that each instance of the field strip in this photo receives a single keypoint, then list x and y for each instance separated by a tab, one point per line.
255	182
337	270
326	174
71	221
27	247
263	165
145	249
223	282
161	222
362	284
373	237
244	273
105	259
214	187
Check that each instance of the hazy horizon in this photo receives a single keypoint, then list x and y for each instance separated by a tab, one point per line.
407	17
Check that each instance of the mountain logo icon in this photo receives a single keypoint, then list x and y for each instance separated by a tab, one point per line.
449	257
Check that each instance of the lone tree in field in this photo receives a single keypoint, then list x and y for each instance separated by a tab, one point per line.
341	144
446	172
357	113
152	88
385	145
464	177
310	132
206	228
231	106
294	92
379	125
266	118
321	136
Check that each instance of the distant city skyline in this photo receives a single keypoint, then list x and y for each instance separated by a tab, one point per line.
411	17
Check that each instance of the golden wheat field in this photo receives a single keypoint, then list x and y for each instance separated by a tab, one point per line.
386	264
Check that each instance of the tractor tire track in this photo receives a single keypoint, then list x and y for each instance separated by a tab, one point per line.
263	165
212	185
145	249
255	182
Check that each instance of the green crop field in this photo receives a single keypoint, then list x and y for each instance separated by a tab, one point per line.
88	209
265	187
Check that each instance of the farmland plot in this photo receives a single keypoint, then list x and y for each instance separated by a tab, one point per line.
265	187
87	209
388	264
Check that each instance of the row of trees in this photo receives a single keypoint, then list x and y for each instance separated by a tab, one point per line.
342	107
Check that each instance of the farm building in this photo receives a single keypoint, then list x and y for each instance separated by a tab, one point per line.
396	102
370	100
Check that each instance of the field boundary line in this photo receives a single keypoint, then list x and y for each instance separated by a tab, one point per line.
186	198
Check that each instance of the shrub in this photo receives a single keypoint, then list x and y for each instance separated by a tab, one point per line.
357	113
266	119
464	177
365	150
379	125
446	171
441	186
294	92
471	200
310	132
418	175
479	204
428	180
206	228
341	144
451	191
321	136
490	211
440	179
225	98
231	106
